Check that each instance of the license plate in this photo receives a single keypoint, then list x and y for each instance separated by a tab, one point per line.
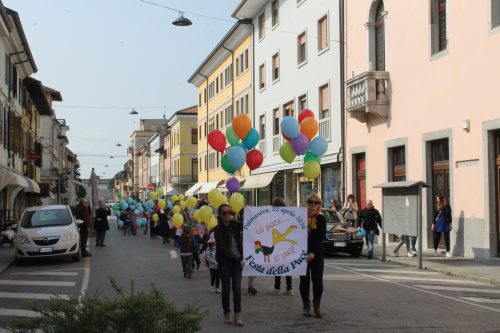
46	249
339	244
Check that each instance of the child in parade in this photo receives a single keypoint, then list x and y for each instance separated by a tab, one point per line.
186	251
212	265
134	224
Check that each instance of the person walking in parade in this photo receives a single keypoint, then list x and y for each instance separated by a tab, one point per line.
229	256
83	213
101	224
370	220
210	254
442	224
315	261
163	227
186	252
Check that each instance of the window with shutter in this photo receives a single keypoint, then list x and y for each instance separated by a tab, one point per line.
323	33
262	31
276	66
324	100
495	13
301	48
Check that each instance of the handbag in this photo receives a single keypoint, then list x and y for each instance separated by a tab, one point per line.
362	232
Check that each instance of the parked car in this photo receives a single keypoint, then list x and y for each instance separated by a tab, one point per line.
47	231
340	235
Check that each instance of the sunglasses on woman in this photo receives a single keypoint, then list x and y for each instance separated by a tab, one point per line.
313	202
225	213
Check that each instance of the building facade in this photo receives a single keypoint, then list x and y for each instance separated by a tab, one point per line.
412	117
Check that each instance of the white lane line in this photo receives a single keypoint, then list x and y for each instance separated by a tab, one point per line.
18	313
410	278
48	273
482	300
361	264
461	289
30	296
458	300
38	283
395	271
86	278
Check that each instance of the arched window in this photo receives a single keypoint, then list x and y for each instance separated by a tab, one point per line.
380	37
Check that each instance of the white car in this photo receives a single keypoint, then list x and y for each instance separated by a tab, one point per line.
47	231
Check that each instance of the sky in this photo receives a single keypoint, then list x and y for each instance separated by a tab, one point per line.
109	56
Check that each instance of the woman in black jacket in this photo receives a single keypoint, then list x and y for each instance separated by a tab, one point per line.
442	224
229	256
101	223
315	261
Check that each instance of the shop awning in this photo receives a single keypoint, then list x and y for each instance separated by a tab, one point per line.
258	181
32	186
209	186
194	189
171	191
10	178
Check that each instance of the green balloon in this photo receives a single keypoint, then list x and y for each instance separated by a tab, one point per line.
226	165
232	138
287	153
311	157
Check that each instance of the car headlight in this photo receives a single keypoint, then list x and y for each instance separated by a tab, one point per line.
22	239
69	236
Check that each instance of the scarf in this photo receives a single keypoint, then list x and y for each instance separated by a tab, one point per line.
311	222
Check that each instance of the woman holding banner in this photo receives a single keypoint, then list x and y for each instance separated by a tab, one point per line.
315	262
229	256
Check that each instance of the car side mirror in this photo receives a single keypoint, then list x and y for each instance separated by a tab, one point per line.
79	221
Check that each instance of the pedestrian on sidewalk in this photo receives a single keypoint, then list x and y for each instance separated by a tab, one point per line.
163	227
370	220
186	252
229	256
315	261
82	212
442	224
350	211
276	289
101	224
210	254
196	247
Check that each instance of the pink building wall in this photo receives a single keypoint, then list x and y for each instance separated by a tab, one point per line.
430	97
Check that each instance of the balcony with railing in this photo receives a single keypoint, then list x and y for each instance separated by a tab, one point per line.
324	128
276	143
262	146
184	179
368	95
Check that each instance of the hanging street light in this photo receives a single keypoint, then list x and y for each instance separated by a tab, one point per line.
133	111
182	21
118	144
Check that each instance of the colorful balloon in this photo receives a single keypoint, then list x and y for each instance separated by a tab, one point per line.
236	201
160	192
196	216
236	156
312	169
233	184
212	223
285	137
232	138
306	113
177	220
309	127
290	127
130	200
217	140
183	204
191	202
226	165
213	194
205	213
287	153
162	203
251	139
318	146
242	125
153	196
155	217
119	195
180	197
254	159
124	205
299	144
176	209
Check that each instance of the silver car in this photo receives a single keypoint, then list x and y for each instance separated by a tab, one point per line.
47	231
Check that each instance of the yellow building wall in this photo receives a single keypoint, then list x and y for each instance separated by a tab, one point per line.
216	107
182	147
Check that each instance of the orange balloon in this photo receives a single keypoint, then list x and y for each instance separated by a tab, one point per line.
309	127
242	125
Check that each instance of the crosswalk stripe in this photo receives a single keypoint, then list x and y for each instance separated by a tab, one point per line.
30	296
482	300
411	278
461	289
395	271
38	283
17	313
360	264
48	273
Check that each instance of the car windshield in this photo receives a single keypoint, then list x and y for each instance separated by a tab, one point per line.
46	218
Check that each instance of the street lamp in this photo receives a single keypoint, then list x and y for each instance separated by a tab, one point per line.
133	111
118	144
182	21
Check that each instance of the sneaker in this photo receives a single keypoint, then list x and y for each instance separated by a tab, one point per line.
273	291
435	253
448	255
410	254
252	291
288	292
396	253
212	289
218	290
414	253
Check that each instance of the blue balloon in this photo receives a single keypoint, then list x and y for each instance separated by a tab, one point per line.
251	139
290	127
169	204
242	145
132	207
237	157
149	204
139	204
117	213
120	223
318	146
124	205
130	200
136	211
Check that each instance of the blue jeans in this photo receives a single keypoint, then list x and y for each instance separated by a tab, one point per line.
230	274
370	236
413	243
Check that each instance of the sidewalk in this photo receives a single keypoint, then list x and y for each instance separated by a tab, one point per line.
6	257
487	271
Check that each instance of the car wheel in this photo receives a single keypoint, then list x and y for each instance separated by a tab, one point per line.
356	252
76	257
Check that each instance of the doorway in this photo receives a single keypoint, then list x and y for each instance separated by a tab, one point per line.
360	180
440	173
497	188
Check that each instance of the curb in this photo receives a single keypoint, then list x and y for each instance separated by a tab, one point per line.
5	266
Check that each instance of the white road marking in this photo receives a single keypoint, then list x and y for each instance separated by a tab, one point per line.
85	282
482	300
461	289
395	271
38	283
18	313
48	273
30	296
361	264
408	278
458	300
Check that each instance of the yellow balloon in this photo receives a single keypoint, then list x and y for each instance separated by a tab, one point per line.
159	192
183	204
213	195
176	209
212	223
312	169
237	202
205	213
153	196
191	202
177	220
162	203
174	198
196	216
180	197
155	217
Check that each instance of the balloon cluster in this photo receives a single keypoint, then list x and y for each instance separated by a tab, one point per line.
300	140
242	138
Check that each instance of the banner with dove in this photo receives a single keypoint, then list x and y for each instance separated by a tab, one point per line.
274	241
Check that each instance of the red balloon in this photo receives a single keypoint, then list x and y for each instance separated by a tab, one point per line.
286	138
217	140
254	159
306	113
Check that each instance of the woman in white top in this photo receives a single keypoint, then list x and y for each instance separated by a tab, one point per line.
350	210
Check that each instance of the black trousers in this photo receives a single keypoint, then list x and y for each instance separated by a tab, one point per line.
230	273
84	235
99	237
437	238
214	277
277	282
315	274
